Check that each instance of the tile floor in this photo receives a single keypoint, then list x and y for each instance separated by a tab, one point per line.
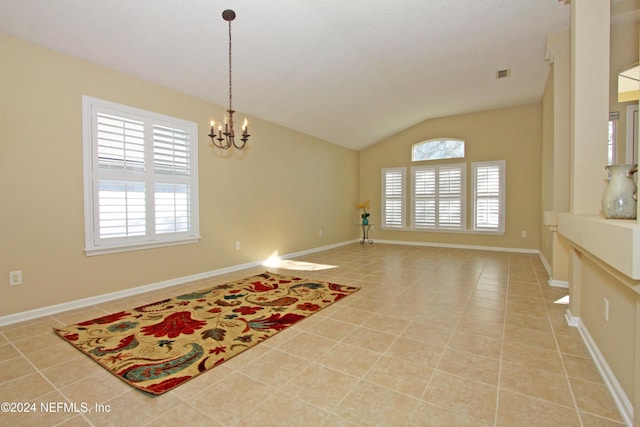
435	337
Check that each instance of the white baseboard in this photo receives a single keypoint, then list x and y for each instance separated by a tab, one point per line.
553	282
559	283
622	401
448	245
99	299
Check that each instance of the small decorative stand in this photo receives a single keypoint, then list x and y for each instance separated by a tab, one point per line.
365	233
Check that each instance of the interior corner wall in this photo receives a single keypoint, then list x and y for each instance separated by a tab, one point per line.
510	134
273	197
547	167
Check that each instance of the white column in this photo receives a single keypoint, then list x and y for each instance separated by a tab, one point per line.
590	34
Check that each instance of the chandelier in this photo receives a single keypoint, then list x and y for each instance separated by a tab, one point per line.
225	136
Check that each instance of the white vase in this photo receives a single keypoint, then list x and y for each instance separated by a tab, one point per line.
619	198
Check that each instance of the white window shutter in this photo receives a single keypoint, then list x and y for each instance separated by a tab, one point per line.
438	196
393	196
489	196
141	181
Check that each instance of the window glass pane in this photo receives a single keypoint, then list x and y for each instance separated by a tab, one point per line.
120	143
172	208
170	151
611	145
121	209
438	149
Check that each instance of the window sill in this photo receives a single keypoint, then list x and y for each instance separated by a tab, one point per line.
455	231
103	250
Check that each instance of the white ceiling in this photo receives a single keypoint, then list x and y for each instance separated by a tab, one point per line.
351	72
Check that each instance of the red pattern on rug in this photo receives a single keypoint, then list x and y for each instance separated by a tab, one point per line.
158	346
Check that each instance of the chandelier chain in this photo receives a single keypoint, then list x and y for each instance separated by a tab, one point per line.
230	106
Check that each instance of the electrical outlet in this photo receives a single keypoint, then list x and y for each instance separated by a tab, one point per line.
15	278
320	233
524	234
237	246
606	310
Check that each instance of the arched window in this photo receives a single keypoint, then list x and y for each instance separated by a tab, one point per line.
435	149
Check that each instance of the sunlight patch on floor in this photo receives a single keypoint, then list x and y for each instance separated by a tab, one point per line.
275	261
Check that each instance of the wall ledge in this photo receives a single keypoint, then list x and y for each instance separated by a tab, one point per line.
616	242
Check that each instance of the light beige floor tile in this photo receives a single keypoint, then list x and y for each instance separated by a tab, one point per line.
281	410
336	421
332	329
184	415
516	410
132	408
533	357
7	352
417	352
351	315
471	366
15	368
349	359
582	368
308	346
43	411
530	337
428	415
462	396
321	386
594	399
370	339
226	401
478	344
25	388
589	420
387	324
536	383
268	368
372	405
425	332
572	345
399	375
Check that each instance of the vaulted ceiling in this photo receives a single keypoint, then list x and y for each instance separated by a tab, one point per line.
350	72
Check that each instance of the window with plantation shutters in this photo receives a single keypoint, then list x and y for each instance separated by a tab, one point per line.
393	197
140	184
489	196
438	194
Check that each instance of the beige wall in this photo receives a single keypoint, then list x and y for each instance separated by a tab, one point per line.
511	134
615	337
274	196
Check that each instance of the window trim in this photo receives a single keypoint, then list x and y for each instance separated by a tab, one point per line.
501	164
93	244
402	197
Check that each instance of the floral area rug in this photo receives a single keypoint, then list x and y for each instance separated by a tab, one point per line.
158	346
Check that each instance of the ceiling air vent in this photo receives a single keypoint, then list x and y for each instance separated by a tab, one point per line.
503	74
